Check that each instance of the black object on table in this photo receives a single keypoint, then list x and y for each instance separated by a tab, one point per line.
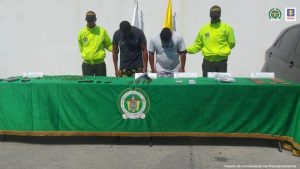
11	79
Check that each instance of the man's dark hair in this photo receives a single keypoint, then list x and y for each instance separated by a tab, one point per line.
215	12
125	27
166	34
90	15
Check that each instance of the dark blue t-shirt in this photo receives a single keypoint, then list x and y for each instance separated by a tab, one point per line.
131	55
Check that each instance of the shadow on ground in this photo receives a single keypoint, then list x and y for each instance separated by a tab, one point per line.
62	140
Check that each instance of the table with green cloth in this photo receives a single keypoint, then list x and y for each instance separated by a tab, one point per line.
200	107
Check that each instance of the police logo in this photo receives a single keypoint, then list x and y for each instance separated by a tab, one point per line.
133	104
290	14
85	40
275	14
207	35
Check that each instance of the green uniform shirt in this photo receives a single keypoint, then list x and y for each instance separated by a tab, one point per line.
215	41
92	44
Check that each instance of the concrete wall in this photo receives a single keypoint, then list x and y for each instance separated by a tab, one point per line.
41	35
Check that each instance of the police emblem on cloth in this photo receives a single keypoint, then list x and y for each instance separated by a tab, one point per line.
133	104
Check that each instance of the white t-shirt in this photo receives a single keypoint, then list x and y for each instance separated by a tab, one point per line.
167	54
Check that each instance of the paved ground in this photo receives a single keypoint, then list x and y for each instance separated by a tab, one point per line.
135	153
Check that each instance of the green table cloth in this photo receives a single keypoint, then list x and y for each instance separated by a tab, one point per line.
104	106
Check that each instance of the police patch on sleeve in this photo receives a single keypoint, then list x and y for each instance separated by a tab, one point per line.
133	104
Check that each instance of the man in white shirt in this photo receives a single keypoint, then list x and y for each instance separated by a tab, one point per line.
170	52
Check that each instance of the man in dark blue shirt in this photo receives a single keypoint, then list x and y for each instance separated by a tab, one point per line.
132	44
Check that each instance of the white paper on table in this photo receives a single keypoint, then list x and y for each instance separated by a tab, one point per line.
185	75
33	74
215	74
269	75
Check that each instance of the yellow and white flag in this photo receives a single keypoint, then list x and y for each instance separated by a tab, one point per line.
135	19
168	23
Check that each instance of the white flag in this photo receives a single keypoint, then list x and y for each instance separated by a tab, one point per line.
135	19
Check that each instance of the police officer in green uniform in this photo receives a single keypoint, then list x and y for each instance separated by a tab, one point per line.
215	39
93	40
